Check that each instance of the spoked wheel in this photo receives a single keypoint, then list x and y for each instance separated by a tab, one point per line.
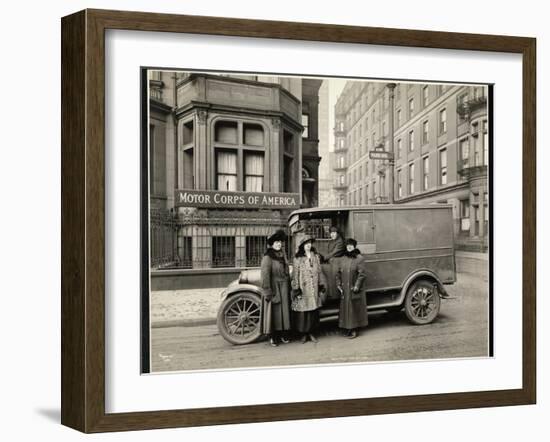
422	303
239	318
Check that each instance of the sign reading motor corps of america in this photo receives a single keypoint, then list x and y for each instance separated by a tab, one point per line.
236	200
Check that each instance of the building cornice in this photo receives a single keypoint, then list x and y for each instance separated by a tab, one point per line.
194	76
434	192
233	110
160	106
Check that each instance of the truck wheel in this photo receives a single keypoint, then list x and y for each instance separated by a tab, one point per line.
239	318
422	302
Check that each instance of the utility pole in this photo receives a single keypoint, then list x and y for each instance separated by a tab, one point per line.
391	88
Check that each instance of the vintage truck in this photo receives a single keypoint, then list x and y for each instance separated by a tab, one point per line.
409	259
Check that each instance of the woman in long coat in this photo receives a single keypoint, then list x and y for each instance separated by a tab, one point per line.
351	282
308	283
275	281
336	249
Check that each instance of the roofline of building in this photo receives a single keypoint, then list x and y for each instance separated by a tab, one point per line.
194	75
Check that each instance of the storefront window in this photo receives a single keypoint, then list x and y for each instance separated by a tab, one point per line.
255	249
223	251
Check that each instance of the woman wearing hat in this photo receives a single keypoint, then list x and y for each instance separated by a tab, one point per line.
336	246
336	249
308	282
350	280
275	280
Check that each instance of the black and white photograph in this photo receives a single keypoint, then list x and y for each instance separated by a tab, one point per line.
297	220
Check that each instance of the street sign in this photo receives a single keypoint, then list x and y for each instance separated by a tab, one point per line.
380	155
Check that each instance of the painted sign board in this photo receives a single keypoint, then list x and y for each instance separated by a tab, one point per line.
236	200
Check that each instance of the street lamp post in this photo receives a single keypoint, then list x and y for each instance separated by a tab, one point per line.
391	88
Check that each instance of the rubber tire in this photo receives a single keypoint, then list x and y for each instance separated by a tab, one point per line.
411	316
221	319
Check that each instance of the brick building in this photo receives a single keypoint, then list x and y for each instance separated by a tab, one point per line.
440	145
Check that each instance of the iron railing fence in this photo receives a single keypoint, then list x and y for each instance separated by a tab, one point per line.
200	242
163	244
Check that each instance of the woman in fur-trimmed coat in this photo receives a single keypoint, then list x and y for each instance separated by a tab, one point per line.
308	283
351	283
275	281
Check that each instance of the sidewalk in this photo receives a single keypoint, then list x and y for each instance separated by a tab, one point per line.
472	262
173	308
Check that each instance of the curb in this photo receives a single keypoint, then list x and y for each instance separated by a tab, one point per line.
194	322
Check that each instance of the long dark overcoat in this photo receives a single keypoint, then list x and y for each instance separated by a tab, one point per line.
275	281
336	249
353	306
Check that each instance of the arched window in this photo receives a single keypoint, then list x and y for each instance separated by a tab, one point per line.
226	132
253	134
239	156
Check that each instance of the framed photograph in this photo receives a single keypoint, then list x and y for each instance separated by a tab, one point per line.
268	221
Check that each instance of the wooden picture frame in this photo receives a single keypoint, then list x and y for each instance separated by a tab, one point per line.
83	219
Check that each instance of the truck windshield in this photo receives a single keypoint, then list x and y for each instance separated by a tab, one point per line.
318	228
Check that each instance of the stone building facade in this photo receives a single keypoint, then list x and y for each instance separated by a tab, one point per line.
440	143
229	137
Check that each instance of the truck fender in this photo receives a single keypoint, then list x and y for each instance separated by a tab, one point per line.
232	290
418	274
